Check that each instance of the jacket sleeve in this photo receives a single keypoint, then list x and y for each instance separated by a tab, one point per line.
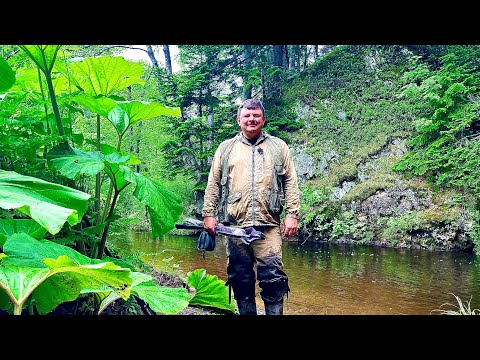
212	190
292	193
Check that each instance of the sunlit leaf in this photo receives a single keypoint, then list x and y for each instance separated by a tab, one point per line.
105	75
19	282
49	204
108	149
98	105
162	299
59	279
127	113
24	250
7	75
43	55
209	290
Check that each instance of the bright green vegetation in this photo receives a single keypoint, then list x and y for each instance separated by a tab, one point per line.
39	274
91	144
359	101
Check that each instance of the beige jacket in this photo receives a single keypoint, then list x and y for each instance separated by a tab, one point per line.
250	183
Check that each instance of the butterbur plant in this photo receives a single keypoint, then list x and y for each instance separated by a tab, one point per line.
41	280
51	275
99	80
209	291
94	84
39	274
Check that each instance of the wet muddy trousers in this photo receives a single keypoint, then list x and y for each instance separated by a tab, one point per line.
272	281
274	308
266	255
247	307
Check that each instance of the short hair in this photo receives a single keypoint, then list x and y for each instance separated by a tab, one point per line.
251	104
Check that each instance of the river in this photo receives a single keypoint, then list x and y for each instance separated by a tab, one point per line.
329	279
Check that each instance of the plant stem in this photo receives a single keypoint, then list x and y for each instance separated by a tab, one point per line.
105	231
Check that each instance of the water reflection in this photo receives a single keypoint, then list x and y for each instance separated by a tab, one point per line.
337	279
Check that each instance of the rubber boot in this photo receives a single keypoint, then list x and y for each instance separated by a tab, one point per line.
247	307
274	308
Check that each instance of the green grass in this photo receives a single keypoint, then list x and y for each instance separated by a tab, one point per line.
460	309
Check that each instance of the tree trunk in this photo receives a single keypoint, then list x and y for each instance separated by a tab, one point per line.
291	59
152	57
273	91
296	58
278	55
168	60
156	67
247	88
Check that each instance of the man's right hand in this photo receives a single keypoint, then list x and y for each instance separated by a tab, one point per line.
209	223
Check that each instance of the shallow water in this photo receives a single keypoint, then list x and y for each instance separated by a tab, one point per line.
336	279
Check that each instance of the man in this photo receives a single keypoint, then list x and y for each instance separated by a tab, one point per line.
252	178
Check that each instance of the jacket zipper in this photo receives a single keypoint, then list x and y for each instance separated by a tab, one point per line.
253	185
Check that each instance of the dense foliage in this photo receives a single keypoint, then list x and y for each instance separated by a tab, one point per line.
138	139
446	147
358	101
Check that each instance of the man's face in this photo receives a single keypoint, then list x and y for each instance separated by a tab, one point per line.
251	122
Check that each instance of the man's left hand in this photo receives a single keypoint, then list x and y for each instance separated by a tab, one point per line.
289	227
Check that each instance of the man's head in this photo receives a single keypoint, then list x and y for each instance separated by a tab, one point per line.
251	118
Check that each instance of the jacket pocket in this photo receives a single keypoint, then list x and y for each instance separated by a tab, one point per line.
223	205
232	208
276	200
234	197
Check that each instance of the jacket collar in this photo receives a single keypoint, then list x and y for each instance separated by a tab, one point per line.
263	135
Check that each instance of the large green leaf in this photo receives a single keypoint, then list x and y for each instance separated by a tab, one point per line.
109	296
210	290
27	80
127	113
43	55
105	75
117	172
164	206
72	278
99	105
109	150
24	250
7	75
19	282
27	226
143	110
80	163
162	299
49	204
90	163
60	279
5	302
